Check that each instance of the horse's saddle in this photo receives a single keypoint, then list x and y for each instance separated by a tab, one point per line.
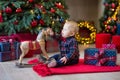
33	45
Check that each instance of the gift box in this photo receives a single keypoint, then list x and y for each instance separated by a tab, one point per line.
17	51
4	46
100	57
108	46
110	57
102	38
91	56
5	56
116	41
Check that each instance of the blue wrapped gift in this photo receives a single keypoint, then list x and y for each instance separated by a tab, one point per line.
4	46
5	56
110	56
91	56
17	50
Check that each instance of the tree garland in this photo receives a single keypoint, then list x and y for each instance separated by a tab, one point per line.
88	26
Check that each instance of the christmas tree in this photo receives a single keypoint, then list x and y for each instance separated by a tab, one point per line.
31	15
108	20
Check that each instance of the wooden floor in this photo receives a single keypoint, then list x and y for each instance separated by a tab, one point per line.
8	71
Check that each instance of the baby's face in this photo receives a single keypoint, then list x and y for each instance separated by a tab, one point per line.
66	32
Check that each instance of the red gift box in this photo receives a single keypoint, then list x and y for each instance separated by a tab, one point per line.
102	38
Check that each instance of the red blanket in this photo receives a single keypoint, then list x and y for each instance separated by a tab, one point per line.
43	70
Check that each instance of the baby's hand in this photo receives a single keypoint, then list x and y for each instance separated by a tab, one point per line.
64	60
50	32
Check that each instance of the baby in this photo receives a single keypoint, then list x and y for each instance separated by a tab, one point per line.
69	51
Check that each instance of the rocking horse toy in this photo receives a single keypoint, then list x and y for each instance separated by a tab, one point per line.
39	43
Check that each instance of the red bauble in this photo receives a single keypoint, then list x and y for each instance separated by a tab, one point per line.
52	10
42	22
108	27
16	22
18	10
34	23
114	27
113	5
43	11
8	10
113	31
59	5
30	1
105	22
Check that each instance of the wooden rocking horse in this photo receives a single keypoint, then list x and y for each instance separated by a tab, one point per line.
39	43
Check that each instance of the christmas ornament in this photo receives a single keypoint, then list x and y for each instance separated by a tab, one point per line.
18	10
112	9
108	27
34	23
16	22
30	1
59	5
113	5
42	22
8	10
52	10
38	17
115	27
61	19
32	12
43	11
105	22
1	18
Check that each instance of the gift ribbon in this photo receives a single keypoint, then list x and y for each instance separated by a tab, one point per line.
103	60
89	57
12	48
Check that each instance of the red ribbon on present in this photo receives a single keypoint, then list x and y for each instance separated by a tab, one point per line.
89	57
12	49
102	59
3	40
